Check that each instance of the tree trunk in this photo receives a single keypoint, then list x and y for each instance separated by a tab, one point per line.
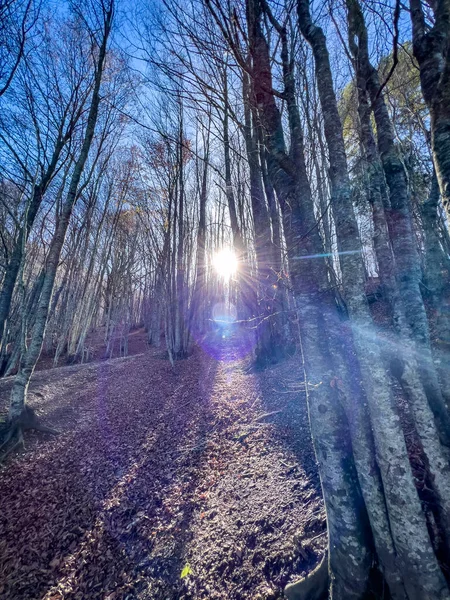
409	273
431	49
17	256
270	343
198	309
30	357
247	293
349	554
416	561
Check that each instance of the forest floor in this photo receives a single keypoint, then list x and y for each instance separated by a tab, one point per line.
186	483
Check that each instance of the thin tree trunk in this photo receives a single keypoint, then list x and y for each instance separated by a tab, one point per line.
30	357
198	306
431	49
17	255
247	293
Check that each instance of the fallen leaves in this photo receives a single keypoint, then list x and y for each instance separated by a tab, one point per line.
148	478
186	571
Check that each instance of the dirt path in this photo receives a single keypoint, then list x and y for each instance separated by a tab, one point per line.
206	472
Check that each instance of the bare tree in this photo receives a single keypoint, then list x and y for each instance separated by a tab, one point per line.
17	20
18	414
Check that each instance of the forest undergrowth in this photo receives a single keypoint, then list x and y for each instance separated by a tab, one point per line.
186	483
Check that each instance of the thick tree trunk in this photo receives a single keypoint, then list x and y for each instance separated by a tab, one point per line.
349	555
349	536
409	273
437	279
437	264
407	523
270	343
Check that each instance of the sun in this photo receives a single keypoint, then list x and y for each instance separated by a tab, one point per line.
225	263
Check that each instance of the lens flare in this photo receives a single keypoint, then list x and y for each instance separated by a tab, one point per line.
225	263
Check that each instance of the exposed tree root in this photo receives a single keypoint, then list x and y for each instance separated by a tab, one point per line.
19	442
312	587
12	433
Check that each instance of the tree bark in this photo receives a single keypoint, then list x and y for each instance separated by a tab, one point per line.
407	523
269	332
409	273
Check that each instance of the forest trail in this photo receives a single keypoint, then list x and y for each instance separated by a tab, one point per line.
205	471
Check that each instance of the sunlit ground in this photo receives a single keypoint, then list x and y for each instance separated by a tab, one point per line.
226	340
170	475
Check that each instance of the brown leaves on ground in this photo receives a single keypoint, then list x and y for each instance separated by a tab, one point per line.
205	471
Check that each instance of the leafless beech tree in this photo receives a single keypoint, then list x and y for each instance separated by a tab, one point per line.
18	415
312	140
17	20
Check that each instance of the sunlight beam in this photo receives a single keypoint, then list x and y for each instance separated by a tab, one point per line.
225	263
